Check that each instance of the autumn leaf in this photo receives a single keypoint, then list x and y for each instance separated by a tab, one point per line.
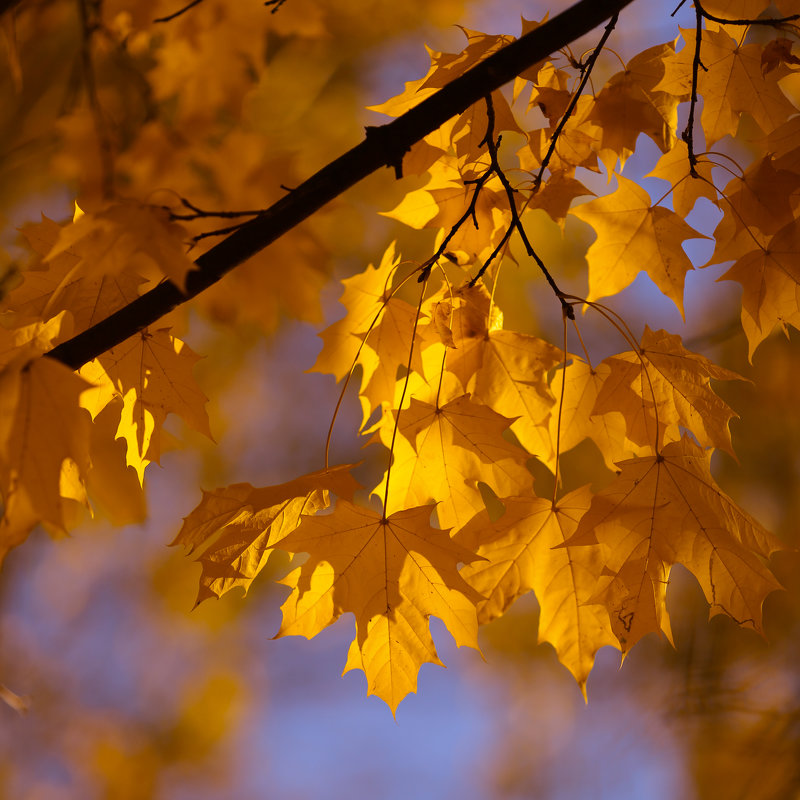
770	281
664	388
522	554
579	417
629	105
504	370
675	168
152	373
664	510
63	282
43	432
444	200
364	297
129	236
633	235
731	83
392	573
451	448
235	529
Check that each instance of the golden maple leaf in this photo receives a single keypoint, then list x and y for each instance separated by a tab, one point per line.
392	573
633	235
44	442
445	451
674	167
522	554
580	418
663	388
236	528
364	297
152	373
629	105
667	509
770	279
731	83
64	282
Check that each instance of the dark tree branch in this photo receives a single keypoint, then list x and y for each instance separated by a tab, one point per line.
384	147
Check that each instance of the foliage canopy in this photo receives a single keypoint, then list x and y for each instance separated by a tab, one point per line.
165	151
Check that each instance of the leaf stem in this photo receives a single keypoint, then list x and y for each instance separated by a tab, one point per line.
402	398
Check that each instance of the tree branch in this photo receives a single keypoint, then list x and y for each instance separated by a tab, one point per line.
384	147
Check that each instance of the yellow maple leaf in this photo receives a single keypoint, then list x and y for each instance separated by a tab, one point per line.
504	370
633	235
512	380
522	555
42	428
628	105
736	9
152	373
65	282
664	510
235	528
555	196
770	279
731	83
388	346
577	144
450	449
113	486
364	297
580	418
445	67
674	168
763	198
442	202
664	386
392	573
126	237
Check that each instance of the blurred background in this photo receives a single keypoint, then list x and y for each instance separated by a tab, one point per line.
115	688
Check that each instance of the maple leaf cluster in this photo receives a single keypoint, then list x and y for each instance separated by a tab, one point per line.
460	404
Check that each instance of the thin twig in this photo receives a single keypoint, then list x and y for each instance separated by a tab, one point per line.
586	70
200	213
180	12
516	222
688	131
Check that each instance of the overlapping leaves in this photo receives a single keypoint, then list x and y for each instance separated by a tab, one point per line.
458	405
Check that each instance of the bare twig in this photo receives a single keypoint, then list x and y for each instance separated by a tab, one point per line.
688	132
516	222
178	13
586	70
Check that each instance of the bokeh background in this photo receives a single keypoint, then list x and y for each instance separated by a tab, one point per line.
129	693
